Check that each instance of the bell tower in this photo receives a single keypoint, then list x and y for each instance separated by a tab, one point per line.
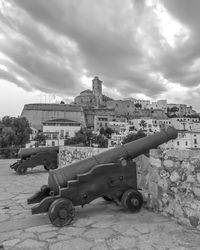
97	91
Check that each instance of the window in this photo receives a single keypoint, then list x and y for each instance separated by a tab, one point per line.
53	143
186	143
61	133
195	141
178	143
66	134
55	137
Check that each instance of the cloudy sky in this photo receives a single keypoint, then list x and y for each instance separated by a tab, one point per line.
51	49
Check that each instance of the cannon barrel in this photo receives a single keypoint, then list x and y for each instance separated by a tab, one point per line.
58	178
26	152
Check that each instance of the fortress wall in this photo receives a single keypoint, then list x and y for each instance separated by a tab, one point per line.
170	180
37	116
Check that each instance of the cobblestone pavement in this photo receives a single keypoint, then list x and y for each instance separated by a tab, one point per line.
99	225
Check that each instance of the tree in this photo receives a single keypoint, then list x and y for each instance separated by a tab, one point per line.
14	132
102	131
143	124
40	138
174	109
132	137
101	141
8	137
108	132
138	105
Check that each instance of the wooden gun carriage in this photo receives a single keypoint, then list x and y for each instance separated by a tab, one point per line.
33	157
111	174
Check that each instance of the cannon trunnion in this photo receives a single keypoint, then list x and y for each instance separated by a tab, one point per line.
111	174
33	157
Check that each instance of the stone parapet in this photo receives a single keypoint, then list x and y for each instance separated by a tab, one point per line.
170	182
68	155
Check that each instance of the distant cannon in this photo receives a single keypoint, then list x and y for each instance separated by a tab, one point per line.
111	174
33	157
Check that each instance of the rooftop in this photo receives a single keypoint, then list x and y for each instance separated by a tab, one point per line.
53	107
64	121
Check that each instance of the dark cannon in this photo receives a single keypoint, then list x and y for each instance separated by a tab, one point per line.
32	157
111	175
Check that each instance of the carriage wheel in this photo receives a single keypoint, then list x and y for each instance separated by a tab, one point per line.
53	165
21	170
132	200
61	212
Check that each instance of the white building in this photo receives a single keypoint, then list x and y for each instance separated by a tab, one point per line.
101	121
148	125
185	140
144	103
160	104
57	130
118	126
116	140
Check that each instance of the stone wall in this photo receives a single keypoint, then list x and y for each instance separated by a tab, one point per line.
68	155
170	182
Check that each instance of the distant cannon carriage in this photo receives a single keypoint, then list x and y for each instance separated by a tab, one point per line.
33	157
111	174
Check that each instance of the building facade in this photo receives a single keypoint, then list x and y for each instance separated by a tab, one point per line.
40	112
57	130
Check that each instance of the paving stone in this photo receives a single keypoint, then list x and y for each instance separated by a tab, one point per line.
30	244
122	242
100	246
47	235
4	217
71	230
98	233
75	244
10	243
41	229
10	235
142	228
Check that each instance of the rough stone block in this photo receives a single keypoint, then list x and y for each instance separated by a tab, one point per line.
155	162
177	154
190	178
153	189
174	177
196	191
198	177
156	153
168	163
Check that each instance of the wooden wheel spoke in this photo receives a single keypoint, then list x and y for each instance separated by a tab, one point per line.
61	212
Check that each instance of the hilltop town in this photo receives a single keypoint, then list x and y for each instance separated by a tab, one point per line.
94	110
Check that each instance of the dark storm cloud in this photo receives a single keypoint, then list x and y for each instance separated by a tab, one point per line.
106	44
55	42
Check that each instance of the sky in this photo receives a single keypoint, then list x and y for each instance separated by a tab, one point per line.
51	50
